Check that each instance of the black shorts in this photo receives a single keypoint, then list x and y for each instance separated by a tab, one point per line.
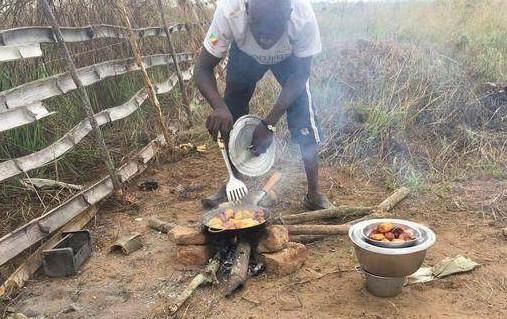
243	73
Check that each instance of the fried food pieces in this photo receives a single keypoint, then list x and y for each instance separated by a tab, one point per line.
388	232
240	218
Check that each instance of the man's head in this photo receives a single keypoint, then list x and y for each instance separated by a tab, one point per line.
268	20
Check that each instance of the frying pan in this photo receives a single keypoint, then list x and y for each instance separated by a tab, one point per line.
206	217
215	212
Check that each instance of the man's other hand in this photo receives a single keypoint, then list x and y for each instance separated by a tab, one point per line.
220	120
261	140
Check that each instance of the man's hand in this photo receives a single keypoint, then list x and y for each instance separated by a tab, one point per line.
261	139
220	120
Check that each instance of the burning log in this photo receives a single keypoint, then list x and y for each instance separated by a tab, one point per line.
239	271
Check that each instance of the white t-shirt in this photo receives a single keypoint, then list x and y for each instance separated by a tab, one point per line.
302	37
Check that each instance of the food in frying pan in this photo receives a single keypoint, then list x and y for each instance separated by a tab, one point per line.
388	232
239	218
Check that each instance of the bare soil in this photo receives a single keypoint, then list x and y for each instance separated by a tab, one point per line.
111	285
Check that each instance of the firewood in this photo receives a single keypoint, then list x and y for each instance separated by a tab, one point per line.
239	269
346	211
206	278
306	239
318	229
330	213
394	199
159	225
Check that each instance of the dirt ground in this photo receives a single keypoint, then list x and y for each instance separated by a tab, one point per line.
116	286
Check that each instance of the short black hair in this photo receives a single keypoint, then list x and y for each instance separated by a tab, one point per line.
269	12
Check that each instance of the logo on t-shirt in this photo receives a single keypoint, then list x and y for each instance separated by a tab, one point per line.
213	39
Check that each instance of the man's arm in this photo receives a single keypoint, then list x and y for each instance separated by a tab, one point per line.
292	89
221	118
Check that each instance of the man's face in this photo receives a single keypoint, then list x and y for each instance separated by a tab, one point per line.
267	27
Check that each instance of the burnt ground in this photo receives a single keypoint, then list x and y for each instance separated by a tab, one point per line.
136	286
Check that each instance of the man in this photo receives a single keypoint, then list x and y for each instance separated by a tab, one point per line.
261	35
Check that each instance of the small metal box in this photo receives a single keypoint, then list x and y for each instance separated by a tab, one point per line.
68	254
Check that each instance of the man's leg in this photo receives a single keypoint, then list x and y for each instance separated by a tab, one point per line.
310	154
304	128
243	72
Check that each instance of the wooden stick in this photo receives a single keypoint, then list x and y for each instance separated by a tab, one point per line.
306	239
394	199
85	99
346	211
186	101
159	225
318	229
239	269
206	278
313	231
301	233
330	213
21	275
146	79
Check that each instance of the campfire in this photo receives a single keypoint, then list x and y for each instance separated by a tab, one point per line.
274	244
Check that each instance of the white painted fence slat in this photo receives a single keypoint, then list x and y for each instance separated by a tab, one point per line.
47	155
40	228
44	34
22	116
24	43
20	52
59	84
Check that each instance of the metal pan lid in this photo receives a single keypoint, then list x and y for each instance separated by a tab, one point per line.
239	152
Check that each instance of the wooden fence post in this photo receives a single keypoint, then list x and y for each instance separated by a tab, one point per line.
85	99
186	102
146	79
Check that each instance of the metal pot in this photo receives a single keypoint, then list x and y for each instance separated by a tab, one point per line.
383	286
391	262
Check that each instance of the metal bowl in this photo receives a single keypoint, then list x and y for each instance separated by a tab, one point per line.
240	152
383	286
367	230
389	262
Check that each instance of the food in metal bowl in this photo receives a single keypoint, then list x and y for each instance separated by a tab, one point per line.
231	218
392	233
388	259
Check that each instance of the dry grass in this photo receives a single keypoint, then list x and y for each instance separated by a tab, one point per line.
402	90
83	164
406	85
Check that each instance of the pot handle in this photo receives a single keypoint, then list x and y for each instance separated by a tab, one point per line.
215	231
272	181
